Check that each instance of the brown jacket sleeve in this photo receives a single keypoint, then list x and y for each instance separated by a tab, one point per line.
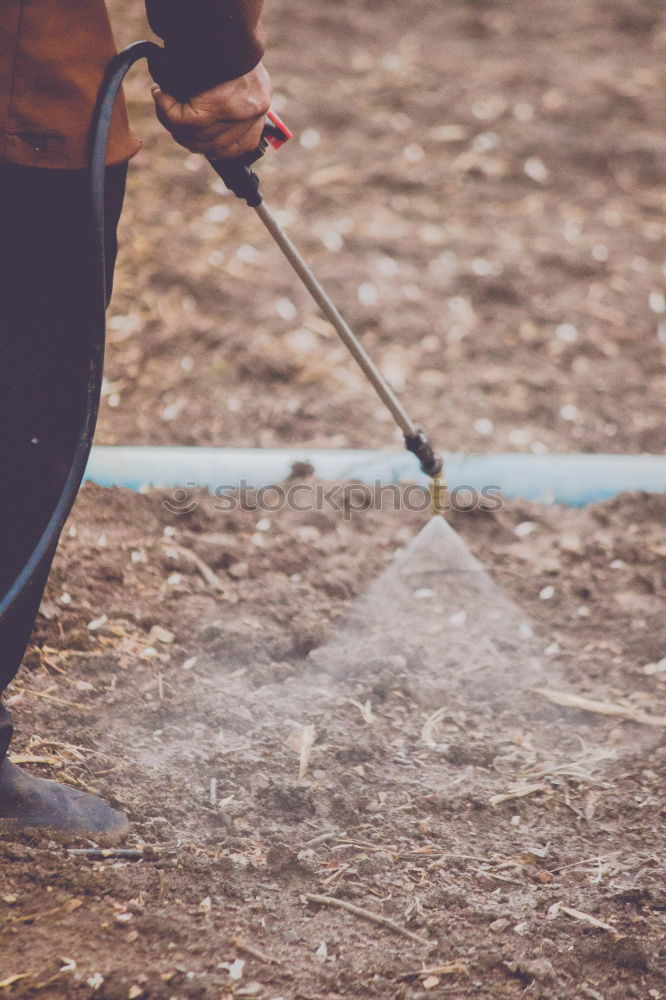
206	41
52	59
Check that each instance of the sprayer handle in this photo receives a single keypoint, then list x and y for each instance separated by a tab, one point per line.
236	172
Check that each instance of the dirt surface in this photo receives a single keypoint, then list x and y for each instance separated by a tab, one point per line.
491	173
480	185
173	671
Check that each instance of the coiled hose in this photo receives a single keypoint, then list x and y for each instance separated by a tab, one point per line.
43	550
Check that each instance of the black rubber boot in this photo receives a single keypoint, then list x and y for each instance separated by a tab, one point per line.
27	802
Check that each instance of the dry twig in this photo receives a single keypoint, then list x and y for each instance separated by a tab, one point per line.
567	699
307	743
457	967
519	792
211	578
242	945
360	911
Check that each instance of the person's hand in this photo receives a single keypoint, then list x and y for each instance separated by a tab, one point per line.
220	123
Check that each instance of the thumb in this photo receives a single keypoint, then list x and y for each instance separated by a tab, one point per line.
164	103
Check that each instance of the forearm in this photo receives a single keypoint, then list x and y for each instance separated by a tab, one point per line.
207	42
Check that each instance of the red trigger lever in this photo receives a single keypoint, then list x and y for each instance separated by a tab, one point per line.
275	131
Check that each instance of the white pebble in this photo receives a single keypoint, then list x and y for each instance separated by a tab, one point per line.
485	141
332	240
310	139
283	217
173	410
247	253
482	267
519	437
657	302
600	252
483	426
368	294
546	593
569	412
302	341
524	529
286	309
424	593
218	213
97	623
187	363
655	668
413	153
264	524
462	308
491	107
571	230
566	332
536	170
388	266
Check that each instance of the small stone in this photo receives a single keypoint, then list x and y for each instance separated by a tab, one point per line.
286	309
536	170
569	412
538	968
571	542
483	426
524	529
239	570
368	294
566	332
655	668
657	302
159	634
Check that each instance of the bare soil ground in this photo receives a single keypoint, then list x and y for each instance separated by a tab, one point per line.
493	175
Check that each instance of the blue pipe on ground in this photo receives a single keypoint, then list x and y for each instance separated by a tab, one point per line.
574	480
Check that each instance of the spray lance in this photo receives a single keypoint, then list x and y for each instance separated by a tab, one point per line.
241	179
238	175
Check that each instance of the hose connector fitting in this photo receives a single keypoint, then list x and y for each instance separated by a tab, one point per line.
431	463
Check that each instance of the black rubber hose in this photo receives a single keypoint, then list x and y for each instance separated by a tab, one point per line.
43	550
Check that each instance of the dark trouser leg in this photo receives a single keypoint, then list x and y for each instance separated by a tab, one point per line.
6	730
48	286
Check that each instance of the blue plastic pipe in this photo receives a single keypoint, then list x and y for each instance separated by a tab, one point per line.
575	480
